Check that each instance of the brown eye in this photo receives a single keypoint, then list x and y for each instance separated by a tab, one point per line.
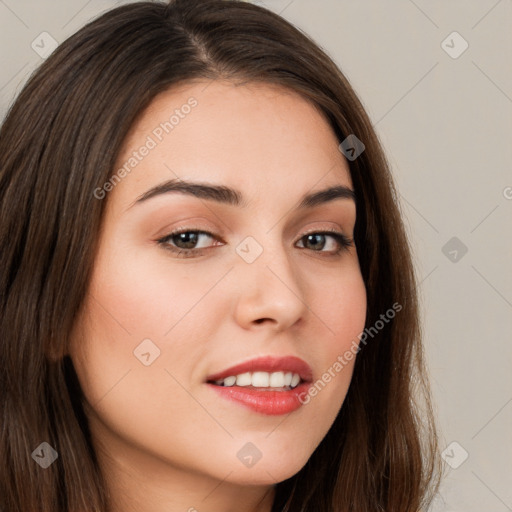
185	242
316	241
319	240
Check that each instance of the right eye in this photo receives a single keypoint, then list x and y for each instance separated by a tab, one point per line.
184	242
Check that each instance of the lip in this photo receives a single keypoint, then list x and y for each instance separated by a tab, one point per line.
271	403
267	364
265	400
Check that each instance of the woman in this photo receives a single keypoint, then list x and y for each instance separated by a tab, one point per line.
208	301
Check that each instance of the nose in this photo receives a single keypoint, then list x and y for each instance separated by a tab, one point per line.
269	291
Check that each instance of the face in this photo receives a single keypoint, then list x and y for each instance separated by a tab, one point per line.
189	283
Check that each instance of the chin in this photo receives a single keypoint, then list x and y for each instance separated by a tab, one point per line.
262	477
267	472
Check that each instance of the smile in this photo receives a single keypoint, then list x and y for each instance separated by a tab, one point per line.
267	385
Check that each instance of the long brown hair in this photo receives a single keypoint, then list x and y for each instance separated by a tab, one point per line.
59	143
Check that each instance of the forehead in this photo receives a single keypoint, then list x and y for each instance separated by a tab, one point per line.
253	137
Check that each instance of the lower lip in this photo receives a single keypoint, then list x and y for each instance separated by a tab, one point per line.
272	403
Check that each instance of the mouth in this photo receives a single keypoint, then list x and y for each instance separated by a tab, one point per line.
268	385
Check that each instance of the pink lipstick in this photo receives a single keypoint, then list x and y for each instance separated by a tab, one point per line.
268	385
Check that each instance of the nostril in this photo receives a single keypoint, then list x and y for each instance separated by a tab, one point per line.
260	320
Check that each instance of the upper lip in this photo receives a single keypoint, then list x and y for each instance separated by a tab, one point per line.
267	364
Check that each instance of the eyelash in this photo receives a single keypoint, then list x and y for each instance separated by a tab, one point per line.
343	241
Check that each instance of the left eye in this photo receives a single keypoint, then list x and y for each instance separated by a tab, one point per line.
316	240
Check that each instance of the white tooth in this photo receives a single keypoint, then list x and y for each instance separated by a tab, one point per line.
288	378
260	379
244	379
295	380
230	381
276	380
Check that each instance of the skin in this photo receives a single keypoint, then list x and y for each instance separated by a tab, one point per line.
166	441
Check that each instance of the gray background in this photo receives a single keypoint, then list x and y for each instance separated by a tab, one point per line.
445	121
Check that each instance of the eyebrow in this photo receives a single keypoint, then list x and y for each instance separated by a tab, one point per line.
232	197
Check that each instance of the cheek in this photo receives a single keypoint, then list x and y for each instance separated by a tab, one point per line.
339	302
147	295
123	309
340	305
138	306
